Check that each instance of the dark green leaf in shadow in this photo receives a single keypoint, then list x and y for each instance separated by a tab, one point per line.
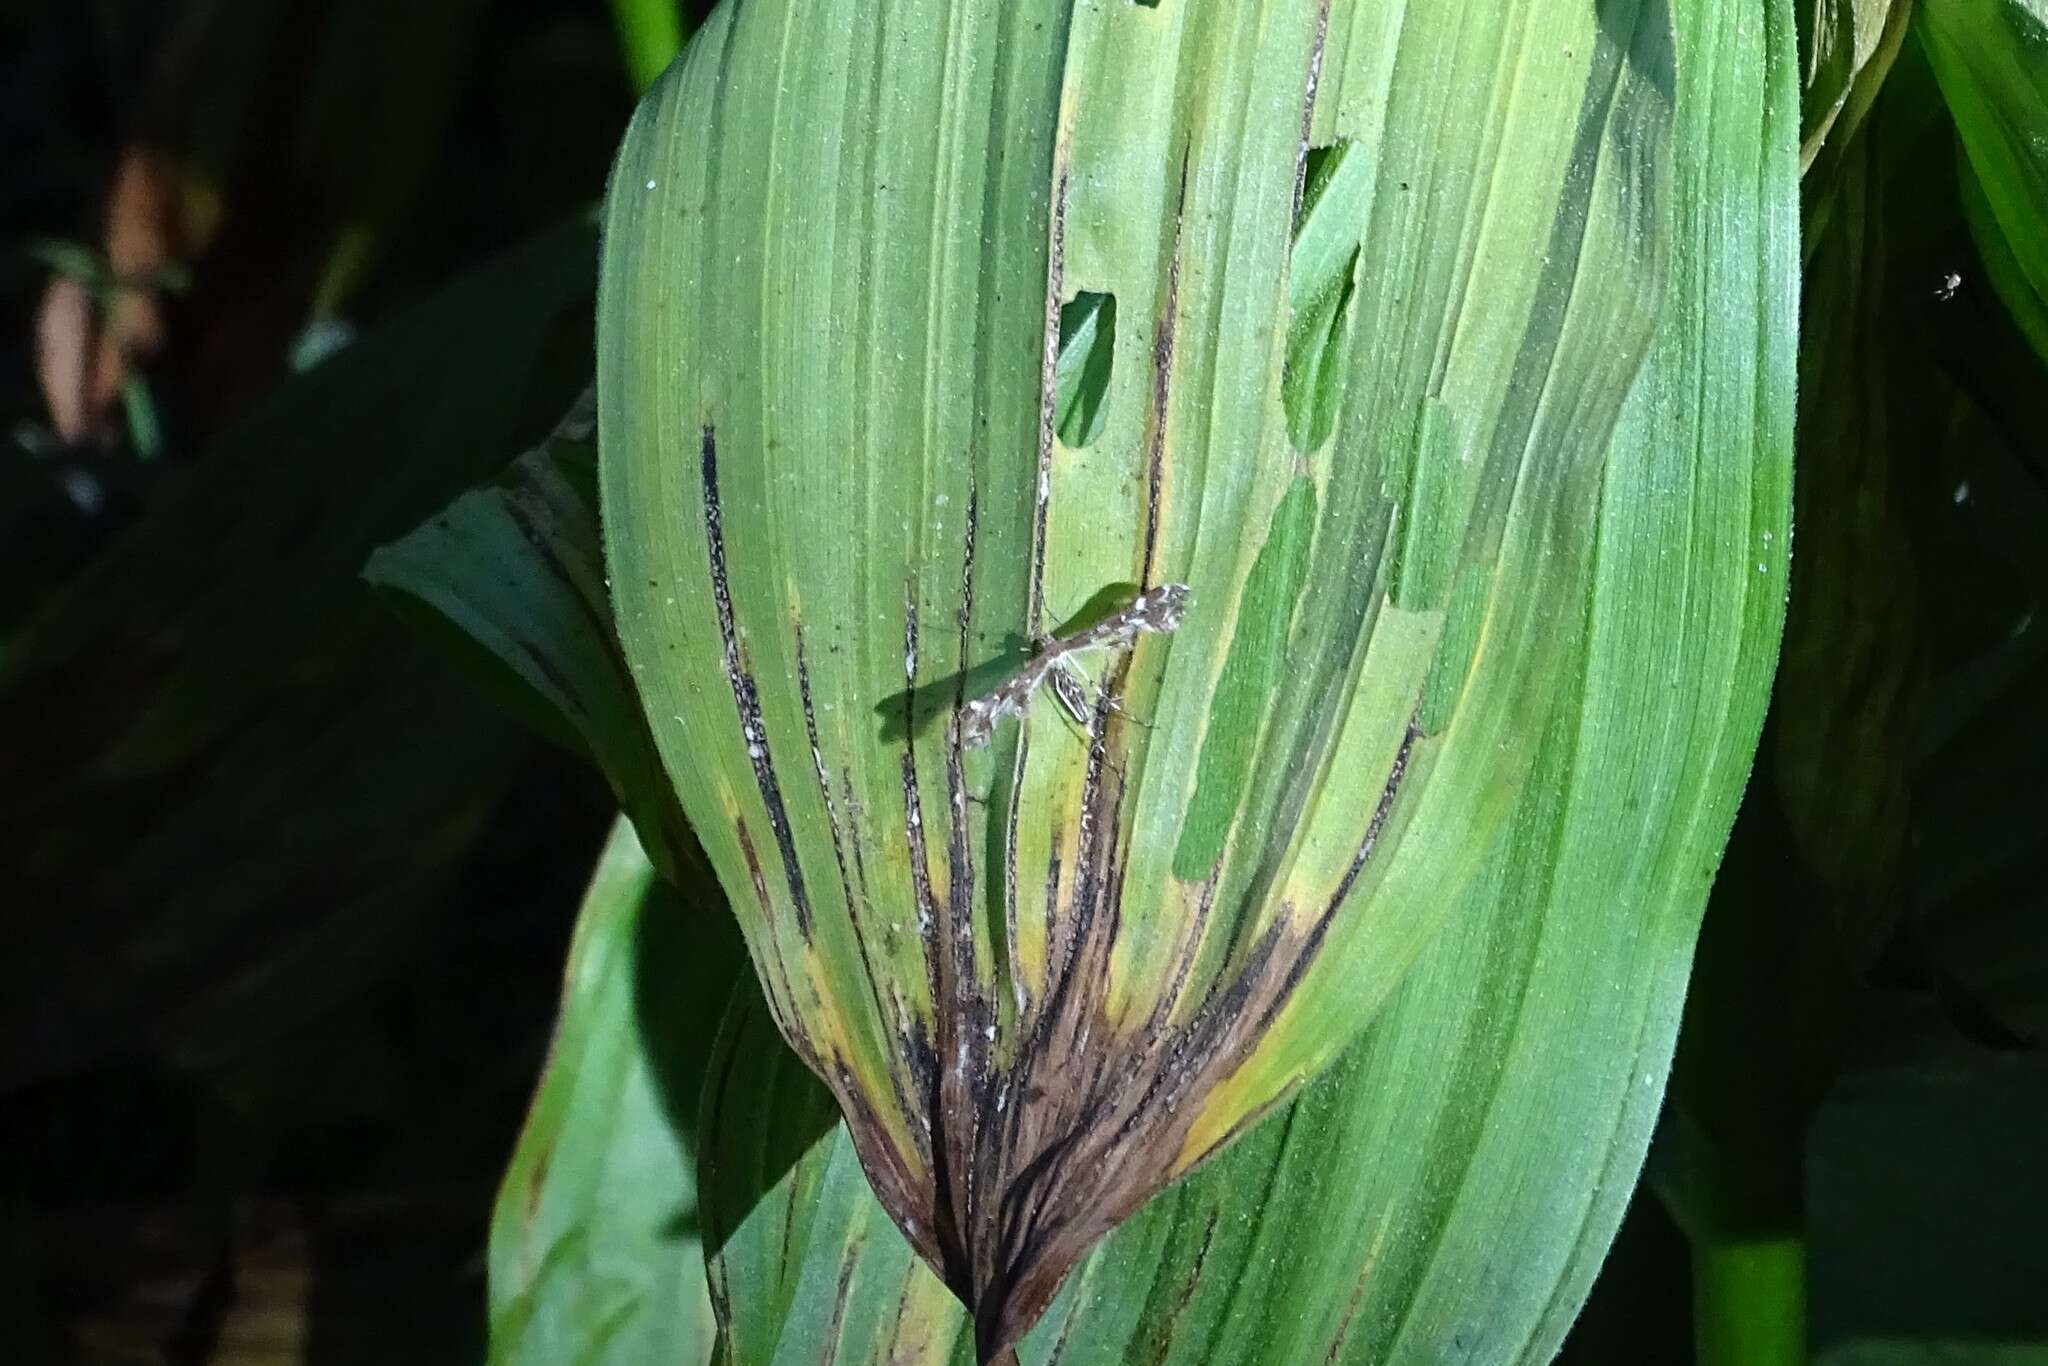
1849	46
1851	684
1848	877
1991	57
509	578
1921	1352
2002	265
216	750
1926	1207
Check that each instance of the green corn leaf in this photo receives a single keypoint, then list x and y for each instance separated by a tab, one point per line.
594	1252
1448	1189
1046	977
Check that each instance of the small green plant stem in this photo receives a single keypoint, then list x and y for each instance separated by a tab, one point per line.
651	32
1749	1301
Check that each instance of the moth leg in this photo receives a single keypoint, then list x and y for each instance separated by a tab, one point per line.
1070	691
1082	685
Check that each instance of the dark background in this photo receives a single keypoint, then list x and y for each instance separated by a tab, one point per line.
284	903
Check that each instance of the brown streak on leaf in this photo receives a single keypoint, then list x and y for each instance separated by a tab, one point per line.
849	1260
1162	1345
1162	381
746	695
1308	104
1048	383
1351	1306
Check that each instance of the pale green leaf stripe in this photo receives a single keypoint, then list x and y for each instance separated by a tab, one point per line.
1449	1189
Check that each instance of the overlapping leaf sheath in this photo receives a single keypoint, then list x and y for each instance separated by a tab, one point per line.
1373	283
1849	47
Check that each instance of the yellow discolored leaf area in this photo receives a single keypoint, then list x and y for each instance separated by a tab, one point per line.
1363	290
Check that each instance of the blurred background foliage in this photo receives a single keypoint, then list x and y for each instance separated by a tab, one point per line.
286	905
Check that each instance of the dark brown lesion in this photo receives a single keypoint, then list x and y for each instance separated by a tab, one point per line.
1163	343
1191	936
1165	1325
1343	1333
824	777
1385	808
1020	1158
849	1261
1308	104
1048	385
1004	1170
1035	1159
781	1004
859	910
746	694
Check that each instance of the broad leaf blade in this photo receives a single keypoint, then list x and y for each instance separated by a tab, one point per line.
1450	1186
1045	978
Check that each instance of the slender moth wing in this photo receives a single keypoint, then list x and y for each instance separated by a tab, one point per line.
1156	610
1105	602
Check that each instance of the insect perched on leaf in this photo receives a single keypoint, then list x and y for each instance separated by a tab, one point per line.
1157	609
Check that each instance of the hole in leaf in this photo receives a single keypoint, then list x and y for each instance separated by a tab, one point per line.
1317	166
1081	374
1336	193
